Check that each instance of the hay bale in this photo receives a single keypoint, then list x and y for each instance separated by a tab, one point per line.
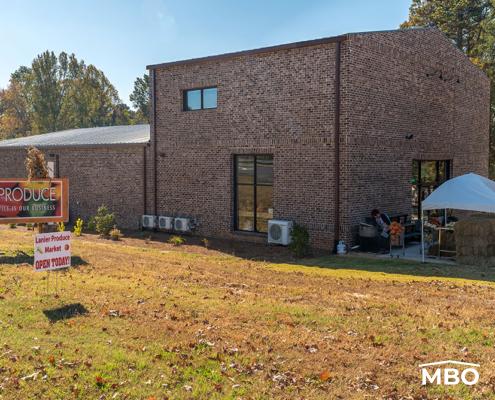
475	240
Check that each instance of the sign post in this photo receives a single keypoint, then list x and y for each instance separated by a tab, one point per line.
39	199
52	251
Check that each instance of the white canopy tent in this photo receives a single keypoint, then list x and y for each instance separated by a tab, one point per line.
466	192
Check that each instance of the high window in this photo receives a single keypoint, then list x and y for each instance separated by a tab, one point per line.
427	176
200	99
253	192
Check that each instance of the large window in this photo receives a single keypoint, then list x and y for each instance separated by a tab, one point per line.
200	99
253	192
427	176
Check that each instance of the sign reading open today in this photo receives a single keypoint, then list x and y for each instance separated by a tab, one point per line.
41	200
52	251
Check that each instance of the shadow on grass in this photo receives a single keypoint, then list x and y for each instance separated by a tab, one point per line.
401	267
21	257
65	312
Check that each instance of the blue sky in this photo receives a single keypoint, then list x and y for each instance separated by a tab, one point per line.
121	37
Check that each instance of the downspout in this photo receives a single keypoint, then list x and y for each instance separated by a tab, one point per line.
337	144
145	183
155	178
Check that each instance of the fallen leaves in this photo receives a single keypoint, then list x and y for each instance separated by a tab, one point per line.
100	381
325	375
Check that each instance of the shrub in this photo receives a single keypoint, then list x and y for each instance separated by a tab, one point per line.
91	226
177	240
300	241
60	227
104	221
78	227
12	226
30	227
205	242
115	233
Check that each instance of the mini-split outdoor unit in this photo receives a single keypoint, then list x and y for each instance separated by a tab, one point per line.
148	221
182	225
165	223
279	232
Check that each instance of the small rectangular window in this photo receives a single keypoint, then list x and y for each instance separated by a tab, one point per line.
200	99
193	100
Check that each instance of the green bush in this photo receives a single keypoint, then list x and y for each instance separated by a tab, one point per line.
91	226
177	240
78	227
300	241
12	226
104	221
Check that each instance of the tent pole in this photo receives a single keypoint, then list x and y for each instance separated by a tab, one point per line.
422	238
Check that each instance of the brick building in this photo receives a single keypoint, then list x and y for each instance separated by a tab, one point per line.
318	132
104	166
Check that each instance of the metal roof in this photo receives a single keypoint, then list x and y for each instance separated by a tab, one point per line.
85	137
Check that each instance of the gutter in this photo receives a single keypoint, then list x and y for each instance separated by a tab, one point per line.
75	146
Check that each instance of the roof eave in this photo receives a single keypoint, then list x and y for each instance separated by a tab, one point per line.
75	146
287	46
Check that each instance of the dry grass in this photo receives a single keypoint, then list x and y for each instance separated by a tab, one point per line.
186	322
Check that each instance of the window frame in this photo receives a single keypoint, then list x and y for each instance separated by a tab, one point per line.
448	171
201	89
255	190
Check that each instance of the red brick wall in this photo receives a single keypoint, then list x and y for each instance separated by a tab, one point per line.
111	176
278	103
282	103
388	95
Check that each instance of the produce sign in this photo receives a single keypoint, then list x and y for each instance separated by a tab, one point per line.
23	201
51	251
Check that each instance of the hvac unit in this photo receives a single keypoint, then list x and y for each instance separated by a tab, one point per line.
279	232
165	223
148	221
182	225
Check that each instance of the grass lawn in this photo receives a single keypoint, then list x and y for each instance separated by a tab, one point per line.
145	320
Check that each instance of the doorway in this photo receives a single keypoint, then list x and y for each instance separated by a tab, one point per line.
427	176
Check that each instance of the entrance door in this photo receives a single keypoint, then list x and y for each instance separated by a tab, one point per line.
427	176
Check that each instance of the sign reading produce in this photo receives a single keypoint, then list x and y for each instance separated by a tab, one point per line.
40	200
52	251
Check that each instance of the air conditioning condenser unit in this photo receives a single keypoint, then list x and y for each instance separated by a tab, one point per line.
165	223
182	225
148	221
279	231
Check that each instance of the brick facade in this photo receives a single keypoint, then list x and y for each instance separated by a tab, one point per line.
282	101
111	175
393	89
364	92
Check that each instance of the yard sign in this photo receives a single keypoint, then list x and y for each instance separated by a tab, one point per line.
40	200
52	251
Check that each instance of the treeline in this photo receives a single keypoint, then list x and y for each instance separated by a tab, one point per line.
470	24
62	92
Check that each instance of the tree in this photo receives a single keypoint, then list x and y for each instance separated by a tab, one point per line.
15	111
140	96
56	93
470	24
